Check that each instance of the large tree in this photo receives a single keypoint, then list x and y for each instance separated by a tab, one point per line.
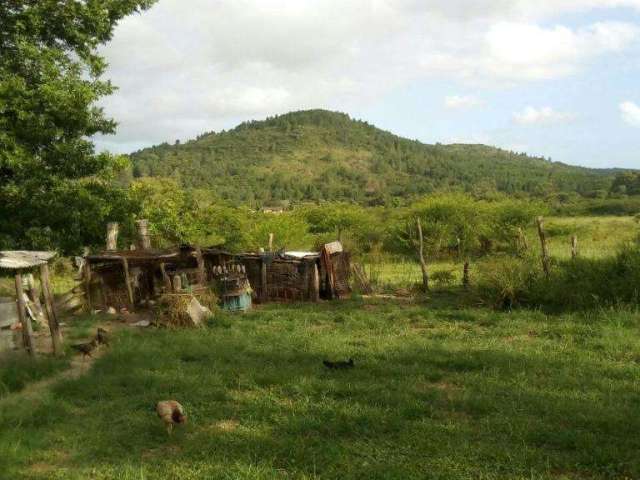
50	82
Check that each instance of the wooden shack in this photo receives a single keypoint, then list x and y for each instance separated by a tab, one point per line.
28	300
299	276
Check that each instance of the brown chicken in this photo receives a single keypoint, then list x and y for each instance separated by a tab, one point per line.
171	413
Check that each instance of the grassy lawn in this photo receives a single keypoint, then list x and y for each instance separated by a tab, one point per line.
437	392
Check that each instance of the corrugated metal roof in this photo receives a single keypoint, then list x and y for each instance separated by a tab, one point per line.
15	260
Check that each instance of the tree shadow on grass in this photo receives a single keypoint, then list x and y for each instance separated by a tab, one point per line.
264	406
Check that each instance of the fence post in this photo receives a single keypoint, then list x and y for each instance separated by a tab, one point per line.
545	248
423	263
574	246
466	278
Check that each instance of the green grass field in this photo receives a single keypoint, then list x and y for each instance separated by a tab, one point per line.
437	392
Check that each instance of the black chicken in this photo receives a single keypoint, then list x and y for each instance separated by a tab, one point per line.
340	365
86	349
102	336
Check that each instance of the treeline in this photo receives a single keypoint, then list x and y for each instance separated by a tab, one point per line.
318	155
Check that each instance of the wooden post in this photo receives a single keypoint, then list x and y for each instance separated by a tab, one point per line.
263	281
202	274
87	283
574	246
165	277
423	263
112	236
523	244
271	242
315	283
466	277
177	283
25	321
34	297
144	240
54	326
127	280
545	248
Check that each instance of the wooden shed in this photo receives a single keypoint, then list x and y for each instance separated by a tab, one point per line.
299	276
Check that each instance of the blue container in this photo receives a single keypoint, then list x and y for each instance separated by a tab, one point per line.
237	303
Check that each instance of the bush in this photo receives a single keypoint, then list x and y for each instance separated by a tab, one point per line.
443	278
505	282
578	284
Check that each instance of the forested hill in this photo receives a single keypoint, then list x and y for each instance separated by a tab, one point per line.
322	155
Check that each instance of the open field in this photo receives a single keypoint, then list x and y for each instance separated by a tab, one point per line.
437	392
597	237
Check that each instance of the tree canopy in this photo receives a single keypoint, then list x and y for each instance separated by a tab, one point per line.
50	81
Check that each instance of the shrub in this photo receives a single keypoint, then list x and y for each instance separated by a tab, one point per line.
443	278
580	284
505	281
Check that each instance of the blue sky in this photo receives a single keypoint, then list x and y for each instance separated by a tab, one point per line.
556	78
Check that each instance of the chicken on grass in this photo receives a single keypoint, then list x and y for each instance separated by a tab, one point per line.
171	413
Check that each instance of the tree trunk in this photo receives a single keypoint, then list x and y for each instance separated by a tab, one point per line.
423	263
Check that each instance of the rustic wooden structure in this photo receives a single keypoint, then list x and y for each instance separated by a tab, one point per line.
19	262
299	276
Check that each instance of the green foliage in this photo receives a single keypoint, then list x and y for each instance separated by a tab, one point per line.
289	231
577	284
443	278
53	186
318	155
505	281
457	224
188	216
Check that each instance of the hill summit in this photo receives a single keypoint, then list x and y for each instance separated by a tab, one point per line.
322	155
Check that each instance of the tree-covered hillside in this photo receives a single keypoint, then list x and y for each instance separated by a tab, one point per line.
321	155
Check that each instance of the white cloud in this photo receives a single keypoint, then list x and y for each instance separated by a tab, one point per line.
630	113
541	116
182	70
462	102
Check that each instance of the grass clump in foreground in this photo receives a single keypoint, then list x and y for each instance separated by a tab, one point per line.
18	370
437	392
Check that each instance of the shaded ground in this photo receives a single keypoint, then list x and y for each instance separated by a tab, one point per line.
437	392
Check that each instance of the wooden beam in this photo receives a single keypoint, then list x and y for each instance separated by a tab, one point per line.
87	283
263	281
127	280
202	275
315	283
25	321
165	278
112	236
54	326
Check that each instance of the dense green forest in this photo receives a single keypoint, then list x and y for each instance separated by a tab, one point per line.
320	155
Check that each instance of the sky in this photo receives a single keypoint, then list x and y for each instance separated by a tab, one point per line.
554	78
